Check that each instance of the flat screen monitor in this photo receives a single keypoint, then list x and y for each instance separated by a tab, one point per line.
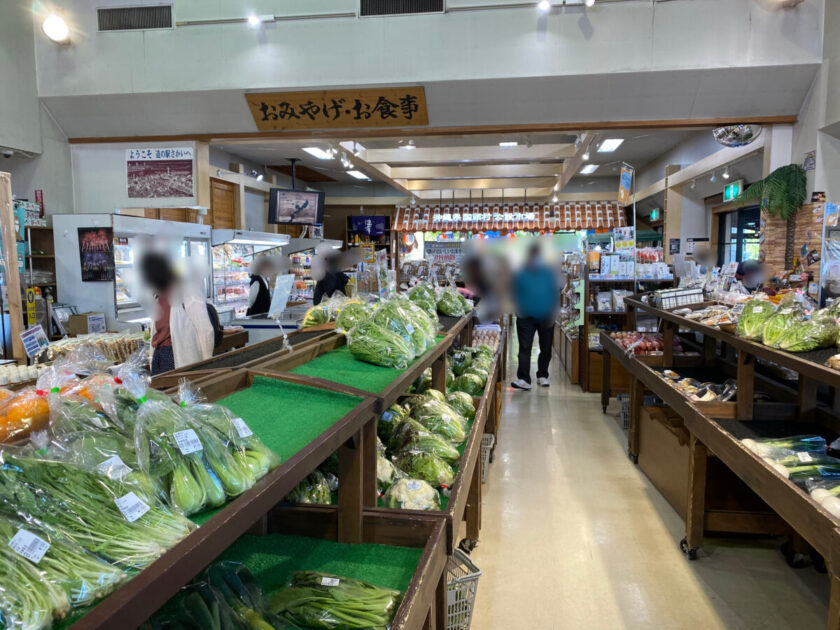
295	206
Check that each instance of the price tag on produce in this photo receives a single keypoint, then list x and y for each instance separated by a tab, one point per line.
187	441
242	429
412	485
328	581
114	468
409	328
29	545
131	506
805	458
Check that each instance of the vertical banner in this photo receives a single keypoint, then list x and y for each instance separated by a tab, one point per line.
625	185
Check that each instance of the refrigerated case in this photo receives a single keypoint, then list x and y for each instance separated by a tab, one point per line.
115	298
233	253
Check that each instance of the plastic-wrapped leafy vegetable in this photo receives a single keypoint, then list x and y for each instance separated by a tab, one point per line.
392	316
412	494
425	466
386	473
423	440
469	383
480	373
809	335
449	303
380	346
390	419
776	325
459	361
423	382
315	316
461	402
351	314
422	291
313	490
751	322
442	419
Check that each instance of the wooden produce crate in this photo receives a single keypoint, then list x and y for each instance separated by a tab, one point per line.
409	554
239	358
303	425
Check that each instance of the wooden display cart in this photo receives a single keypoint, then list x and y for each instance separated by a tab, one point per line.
137	599
716	429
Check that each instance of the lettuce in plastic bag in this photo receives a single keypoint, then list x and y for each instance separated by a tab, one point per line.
780	321
755	314
430	468
809	335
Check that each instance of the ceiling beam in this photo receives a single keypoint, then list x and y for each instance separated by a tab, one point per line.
476	184
484	154
376	174
573	164
716	160
463	171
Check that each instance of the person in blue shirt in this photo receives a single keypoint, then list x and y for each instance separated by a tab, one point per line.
535	299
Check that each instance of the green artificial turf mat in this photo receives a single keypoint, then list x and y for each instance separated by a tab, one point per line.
274	558
340	366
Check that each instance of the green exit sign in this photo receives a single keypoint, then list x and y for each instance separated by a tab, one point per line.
654	214
733	190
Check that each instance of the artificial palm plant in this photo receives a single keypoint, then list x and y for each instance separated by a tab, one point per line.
781	193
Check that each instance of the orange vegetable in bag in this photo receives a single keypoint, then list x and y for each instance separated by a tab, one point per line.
88	387
27	412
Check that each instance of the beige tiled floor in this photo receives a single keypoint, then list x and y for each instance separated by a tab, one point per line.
574	536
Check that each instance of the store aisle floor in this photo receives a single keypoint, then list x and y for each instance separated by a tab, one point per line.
575	536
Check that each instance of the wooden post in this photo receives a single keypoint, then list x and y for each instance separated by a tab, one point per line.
439	373
668	344
696	509
350	490
833	564
369	490
637	395
745	375
605	381
472	513
709	350
441	602
7	227
806	397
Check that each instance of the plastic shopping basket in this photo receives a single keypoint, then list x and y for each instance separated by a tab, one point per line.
461	585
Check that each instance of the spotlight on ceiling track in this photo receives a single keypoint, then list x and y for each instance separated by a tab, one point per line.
713	178
255	20
260	177
554	199
585	156
56	29
726	174
693	184
408	146
544	6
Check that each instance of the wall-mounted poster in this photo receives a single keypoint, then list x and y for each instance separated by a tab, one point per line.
96	251
159	173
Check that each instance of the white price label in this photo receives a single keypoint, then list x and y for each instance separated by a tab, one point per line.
786	311
409	328
327	581
114	468
242	429
412	485
131	507
29	545
805	458
187	441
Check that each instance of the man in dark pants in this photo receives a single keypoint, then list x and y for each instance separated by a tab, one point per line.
535	297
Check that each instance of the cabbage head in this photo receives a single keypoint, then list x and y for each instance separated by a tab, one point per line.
462	403
469	383
776	325
430	468
809	335
412	494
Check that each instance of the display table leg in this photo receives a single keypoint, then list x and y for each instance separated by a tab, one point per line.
637	396
440	603
439	373
709	350
696	510
806	397
745	375
350	466
605	381
369	491
472	512
834	576
668	344
466	334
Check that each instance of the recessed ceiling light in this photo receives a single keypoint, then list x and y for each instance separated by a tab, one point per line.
55	28
408	145
318	153
357	174
589	169
609	145
509	143
544	5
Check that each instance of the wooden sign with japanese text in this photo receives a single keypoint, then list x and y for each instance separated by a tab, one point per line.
339	109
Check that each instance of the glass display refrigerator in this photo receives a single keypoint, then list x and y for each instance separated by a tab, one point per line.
233	253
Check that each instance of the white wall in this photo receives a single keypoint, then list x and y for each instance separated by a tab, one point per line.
49	171
694	148
100	180
255	211
19	124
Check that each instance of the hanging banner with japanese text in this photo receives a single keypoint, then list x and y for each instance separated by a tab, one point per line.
156	173
625	185
339	109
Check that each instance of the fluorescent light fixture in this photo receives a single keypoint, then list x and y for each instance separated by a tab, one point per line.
318	153
544	6
609	145
408	146
56	29
357	174
139	320
726	173
589	169
589	3
585	156
511	143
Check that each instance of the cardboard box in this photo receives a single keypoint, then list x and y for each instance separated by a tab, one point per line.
86	323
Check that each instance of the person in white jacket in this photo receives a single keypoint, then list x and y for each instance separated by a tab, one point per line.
181	331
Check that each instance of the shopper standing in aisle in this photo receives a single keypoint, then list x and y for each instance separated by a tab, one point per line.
181	330
334	280
535	300
259	295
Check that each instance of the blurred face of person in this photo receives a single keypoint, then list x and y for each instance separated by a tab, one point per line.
156	272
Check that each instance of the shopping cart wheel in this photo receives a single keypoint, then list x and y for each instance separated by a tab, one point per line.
633	457
467	545
492	457
691	552
794	559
